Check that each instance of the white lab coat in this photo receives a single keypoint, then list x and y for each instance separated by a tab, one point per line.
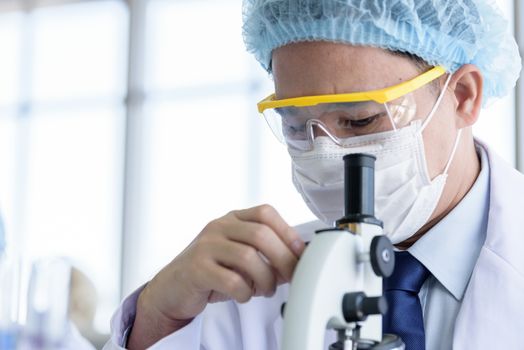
491	315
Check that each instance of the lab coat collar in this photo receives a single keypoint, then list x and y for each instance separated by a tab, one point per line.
492	312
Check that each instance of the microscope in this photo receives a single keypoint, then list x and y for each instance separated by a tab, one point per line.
337	283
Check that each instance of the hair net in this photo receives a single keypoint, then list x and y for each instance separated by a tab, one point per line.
442	32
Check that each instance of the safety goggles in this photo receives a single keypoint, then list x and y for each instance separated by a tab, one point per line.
297	121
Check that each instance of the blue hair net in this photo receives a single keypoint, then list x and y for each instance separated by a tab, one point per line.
442	32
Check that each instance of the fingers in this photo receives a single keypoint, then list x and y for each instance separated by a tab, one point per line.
265	240
267	215
243	254
227	282
246	260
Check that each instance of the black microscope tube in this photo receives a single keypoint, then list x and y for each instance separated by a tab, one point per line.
359	184
359	190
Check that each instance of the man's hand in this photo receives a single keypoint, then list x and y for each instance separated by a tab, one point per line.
245	253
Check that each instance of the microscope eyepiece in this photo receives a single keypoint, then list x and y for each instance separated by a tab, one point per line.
359	190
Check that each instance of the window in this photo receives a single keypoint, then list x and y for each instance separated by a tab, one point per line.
61	122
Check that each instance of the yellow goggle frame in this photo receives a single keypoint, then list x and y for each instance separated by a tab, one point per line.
381	96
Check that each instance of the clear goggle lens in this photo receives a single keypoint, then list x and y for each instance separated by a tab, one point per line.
298	126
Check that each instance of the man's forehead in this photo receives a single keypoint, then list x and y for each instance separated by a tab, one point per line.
316	68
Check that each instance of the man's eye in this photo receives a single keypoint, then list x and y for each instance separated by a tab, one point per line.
360	123
363	122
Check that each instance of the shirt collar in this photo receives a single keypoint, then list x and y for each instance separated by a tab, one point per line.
450	249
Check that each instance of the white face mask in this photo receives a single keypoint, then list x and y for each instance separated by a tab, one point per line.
405	195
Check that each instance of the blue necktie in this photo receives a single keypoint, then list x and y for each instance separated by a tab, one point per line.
404	316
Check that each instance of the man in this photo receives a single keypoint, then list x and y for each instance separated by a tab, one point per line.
405	81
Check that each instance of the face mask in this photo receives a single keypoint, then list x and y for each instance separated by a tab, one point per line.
405	195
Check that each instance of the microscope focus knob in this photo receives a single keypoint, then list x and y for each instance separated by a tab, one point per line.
357	306
382	256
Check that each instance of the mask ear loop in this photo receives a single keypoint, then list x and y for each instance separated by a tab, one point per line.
455	147
437	103
430	116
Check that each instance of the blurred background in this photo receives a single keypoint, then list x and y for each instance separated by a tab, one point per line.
125	126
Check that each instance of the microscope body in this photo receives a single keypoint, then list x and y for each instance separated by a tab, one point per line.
337	283
335	263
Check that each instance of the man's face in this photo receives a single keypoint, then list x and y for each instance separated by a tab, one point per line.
319	68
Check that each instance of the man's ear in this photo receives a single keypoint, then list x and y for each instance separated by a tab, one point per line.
466	88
